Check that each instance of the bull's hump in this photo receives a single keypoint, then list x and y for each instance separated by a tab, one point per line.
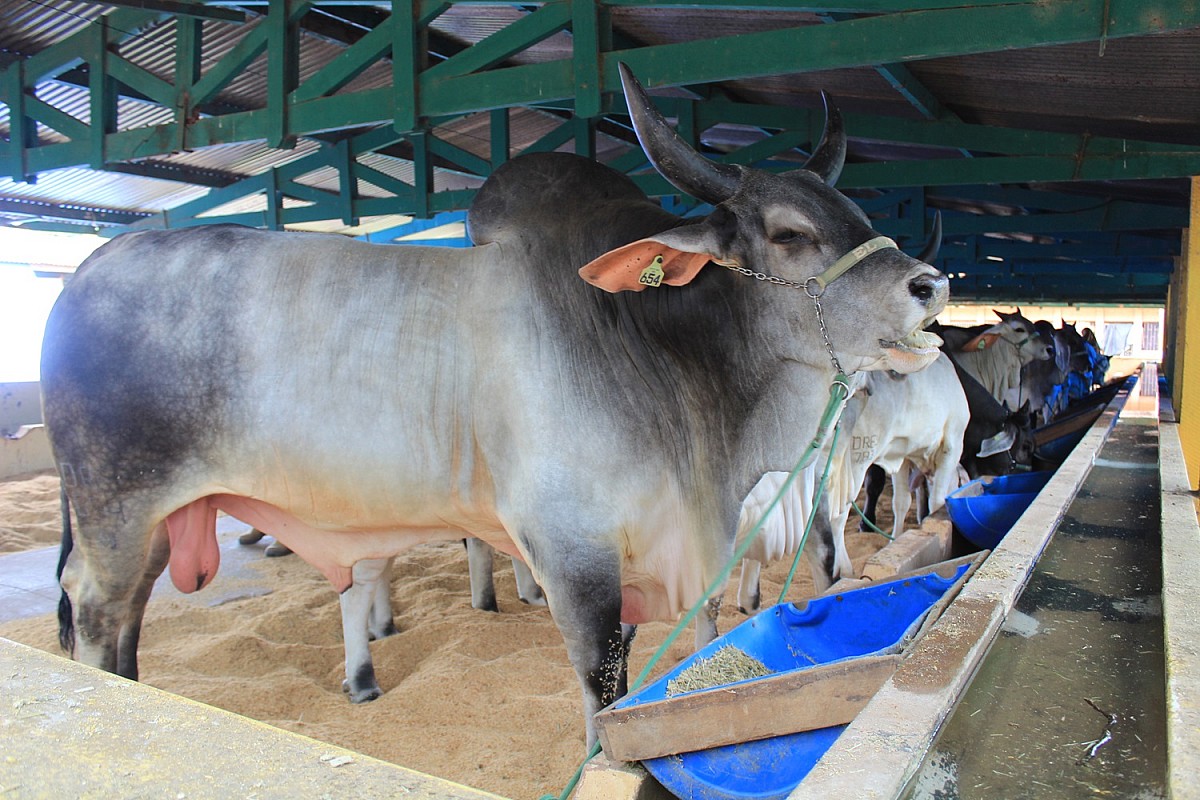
550	192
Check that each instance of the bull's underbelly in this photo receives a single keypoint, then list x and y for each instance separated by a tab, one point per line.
331	548
666	563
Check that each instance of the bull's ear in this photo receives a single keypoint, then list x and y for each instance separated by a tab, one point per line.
981	342
643	263
997	444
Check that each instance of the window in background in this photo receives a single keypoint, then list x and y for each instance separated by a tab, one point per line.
1150	339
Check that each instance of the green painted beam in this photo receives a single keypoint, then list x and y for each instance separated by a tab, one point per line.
845	6
141	81
123	24
403	97
1021	169
507	42
470	162
232	64
102	94
347	66
509	86
184	8
283	58
52	117
900	37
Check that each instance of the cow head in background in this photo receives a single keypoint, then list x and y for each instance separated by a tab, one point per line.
1016	330
786	230
1077	352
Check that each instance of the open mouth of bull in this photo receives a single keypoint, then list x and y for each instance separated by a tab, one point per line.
920	342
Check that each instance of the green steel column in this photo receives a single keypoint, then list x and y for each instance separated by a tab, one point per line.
188	44
282	68
405	55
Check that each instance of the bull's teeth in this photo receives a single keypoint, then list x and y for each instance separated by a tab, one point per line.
922	340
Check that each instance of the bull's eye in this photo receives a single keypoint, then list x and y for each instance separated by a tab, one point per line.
789	237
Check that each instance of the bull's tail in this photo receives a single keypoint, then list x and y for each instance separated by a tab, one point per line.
66	622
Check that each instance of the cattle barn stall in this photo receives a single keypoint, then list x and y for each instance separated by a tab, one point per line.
1057	138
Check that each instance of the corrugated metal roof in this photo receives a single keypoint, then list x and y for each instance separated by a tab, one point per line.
1144	87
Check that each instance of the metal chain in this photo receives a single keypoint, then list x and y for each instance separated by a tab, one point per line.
825	335
816	298
762	276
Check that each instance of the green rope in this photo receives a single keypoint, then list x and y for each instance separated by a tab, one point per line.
812	515
571	784
870	524
839	391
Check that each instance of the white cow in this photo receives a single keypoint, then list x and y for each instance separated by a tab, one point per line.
908	425
995	356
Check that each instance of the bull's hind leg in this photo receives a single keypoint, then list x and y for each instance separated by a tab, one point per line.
749	588
381	623
108	578
479	570
131	631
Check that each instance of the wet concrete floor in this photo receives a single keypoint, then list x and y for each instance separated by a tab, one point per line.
1069	702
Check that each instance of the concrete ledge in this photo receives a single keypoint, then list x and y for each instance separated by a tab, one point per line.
911	550
614	780
1181	616
880	751
73	731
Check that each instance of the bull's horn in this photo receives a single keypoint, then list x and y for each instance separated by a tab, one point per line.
675	160
935	240
829	156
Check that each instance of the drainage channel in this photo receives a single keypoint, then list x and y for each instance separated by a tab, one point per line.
1069	701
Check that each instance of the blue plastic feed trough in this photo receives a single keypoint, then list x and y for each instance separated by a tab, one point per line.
986	508
874	620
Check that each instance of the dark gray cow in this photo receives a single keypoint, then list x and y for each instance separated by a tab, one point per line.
354	401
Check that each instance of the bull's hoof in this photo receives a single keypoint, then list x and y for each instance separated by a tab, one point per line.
252	537
364	695
389	630
487	604
537	600
276	549
751	606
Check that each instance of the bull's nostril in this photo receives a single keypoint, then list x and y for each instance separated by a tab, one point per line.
922	288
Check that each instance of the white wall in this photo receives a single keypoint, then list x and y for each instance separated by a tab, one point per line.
20	404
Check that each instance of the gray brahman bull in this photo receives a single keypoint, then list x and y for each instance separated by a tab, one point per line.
353	401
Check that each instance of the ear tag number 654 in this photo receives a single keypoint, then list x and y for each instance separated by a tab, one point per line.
653	275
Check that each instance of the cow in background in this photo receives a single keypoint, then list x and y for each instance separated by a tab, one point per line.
910	426
1044	382
1052	385
995	356
606	434
997	441
1086	376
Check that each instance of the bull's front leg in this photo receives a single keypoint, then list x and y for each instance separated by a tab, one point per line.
357	605
583	589
749	588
